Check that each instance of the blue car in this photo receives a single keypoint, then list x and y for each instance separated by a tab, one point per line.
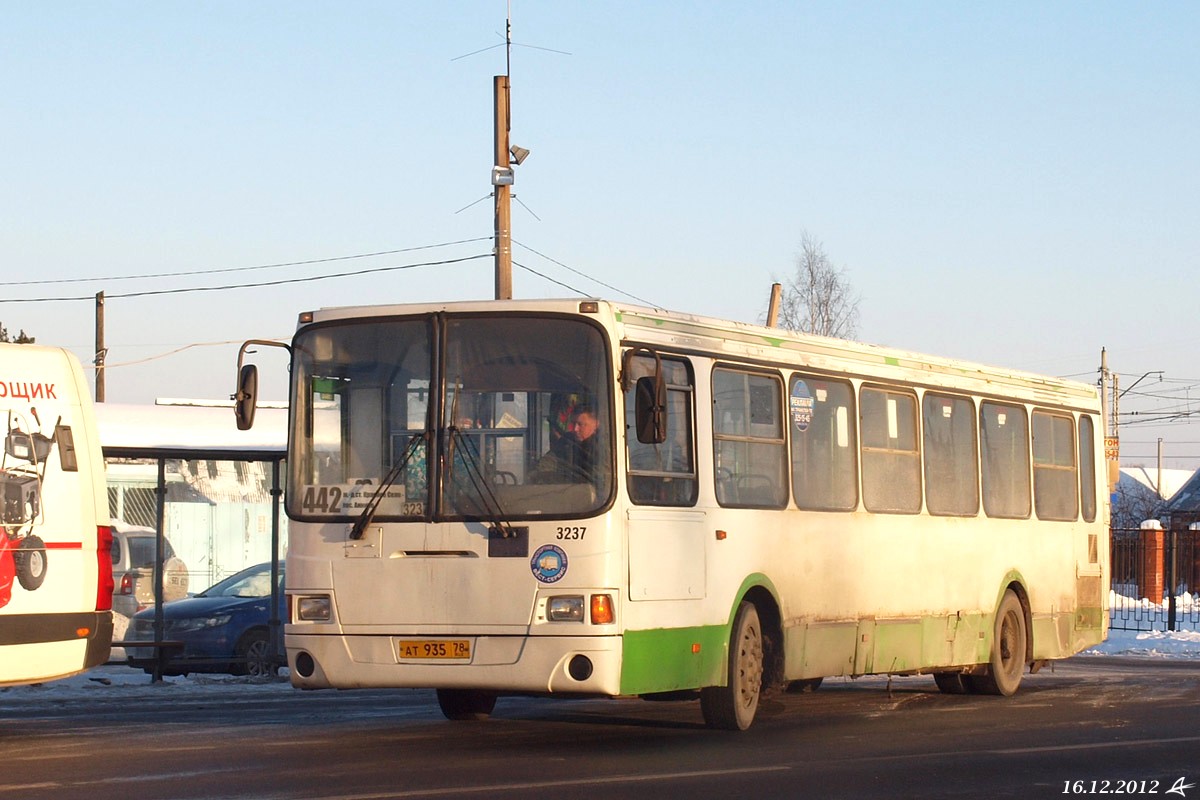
225	628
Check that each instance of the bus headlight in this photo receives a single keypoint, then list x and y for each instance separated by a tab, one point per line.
313	609
565	608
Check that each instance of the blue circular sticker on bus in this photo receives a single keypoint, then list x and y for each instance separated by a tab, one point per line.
800	405
549	563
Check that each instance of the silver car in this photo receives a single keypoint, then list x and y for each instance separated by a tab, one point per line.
133	569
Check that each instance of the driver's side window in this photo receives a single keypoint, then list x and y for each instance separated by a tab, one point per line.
663	474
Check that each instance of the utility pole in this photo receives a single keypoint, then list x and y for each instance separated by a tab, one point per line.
502	179
1108	412
773	306
99	361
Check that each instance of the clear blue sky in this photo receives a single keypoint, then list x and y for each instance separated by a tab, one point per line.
1013	183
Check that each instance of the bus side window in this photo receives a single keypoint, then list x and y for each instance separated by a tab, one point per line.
824	443
748	439
663	474
1087	467
1055	480
1004	444
891	462
951	455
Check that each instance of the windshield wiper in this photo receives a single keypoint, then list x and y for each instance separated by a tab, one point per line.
368	513
491	504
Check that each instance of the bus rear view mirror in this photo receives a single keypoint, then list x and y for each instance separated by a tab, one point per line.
650	410
245	401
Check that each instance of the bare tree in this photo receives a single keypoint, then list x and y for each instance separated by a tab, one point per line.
22	337
818	298
1134	502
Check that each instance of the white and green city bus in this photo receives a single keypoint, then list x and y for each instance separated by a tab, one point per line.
756	509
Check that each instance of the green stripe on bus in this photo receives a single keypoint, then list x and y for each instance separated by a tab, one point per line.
668	659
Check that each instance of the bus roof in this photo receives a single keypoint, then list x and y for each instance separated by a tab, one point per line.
695	333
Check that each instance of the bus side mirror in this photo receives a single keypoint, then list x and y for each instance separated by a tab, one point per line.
650	410
245	400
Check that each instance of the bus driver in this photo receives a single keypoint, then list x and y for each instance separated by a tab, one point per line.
572	458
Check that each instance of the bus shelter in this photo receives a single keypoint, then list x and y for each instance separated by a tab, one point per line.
209	493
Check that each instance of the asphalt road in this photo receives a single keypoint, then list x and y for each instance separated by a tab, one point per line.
1128	726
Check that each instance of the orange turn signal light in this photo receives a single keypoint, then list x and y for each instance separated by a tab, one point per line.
602	609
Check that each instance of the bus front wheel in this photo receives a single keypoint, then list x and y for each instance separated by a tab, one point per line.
731	707
1009	643
465	704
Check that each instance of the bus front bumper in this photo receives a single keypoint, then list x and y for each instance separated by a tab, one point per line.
589	665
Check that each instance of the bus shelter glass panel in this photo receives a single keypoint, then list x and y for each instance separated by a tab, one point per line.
1055	482
824	443
750	461
1004	442
219	522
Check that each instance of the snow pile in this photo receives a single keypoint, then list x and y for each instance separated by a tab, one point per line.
1156	641
1153	644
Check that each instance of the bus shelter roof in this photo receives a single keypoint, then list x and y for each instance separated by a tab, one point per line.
189	431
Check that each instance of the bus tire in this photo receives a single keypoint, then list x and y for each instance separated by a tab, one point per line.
30	562
465	704
950	682
732	707
805	686
1010	639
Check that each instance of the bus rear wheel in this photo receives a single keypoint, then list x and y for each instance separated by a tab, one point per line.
1009	643
950	682
465	704
732	707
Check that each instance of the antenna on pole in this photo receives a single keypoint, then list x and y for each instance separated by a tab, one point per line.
505	156
502	173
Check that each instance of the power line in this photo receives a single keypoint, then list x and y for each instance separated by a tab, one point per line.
169	353
281	282
217	271
552	280
584	275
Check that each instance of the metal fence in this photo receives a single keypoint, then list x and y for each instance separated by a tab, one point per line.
1155	579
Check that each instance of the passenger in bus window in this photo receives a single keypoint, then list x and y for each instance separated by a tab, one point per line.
572	458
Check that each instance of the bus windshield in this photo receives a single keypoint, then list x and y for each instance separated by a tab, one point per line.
450	418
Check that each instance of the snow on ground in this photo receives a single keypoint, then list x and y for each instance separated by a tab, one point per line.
1153	644
1154	640
117	680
